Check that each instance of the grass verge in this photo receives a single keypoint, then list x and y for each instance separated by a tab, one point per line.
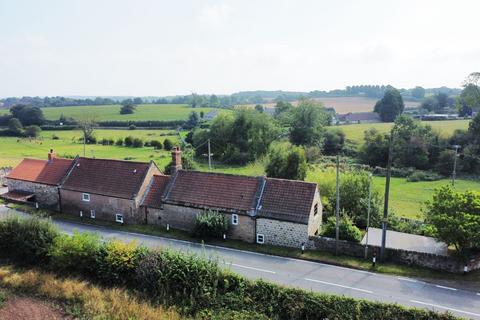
80	298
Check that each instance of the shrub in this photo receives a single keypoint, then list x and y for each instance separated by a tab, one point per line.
33	131
132	127
137	143
104	141
75	254
157	145
117	261
119	142
423	176
55	137
210	224
167	144
347	231
128	141
26	241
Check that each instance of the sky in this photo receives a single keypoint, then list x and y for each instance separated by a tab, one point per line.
159	48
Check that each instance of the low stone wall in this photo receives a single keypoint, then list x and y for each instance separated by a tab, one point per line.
433	261
3	173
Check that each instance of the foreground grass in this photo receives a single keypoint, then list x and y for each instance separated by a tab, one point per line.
310	255
81	298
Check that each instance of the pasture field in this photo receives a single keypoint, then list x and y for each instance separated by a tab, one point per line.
13	150
355	132
144	112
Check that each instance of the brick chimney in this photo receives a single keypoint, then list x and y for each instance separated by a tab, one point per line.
176	160
51	155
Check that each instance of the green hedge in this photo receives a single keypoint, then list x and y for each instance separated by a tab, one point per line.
195	285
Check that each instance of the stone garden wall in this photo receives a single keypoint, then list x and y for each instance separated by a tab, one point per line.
448	263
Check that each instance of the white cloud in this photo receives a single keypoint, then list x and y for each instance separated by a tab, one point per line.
214	15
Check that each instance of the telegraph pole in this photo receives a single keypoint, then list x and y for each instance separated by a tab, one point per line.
368	211
454	173
84	143
387	192
209	157
337	207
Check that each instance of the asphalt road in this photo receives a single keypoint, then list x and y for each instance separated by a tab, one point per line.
311	275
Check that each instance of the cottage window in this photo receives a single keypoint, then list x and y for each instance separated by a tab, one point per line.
234	219
315	209
260	238
92	214
86	197
119	218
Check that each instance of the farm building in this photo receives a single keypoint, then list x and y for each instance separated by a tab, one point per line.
107	189
38	181
259	209
358	117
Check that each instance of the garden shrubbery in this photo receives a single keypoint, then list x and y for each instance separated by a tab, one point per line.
347	230
210	224
195	285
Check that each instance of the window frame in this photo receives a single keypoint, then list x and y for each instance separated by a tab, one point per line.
315	209
86	197
235	219
262	236
117	217
92	214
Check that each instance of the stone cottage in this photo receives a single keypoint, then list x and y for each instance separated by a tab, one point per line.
105	189
258	209
38	181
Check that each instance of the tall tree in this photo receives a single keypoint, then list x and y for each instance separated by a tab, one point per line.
390	106
287	162
308	121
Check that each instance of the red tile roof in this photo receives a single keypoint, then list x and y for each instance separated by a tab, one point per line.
287	200
114	178
41	171
157	189
213	190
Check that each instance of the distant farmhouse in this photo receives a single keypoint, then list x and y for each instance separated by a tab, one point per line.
358	117
258	209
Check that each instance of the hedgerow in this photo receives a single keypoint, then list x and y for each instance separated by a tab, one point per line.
195	285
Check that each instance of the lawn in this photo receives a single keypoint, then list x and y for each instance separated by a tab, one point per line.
13	150
160	112
355	132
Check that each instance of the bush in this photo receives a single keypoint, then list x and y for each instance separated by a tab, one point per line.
132	127
137	143
167	144
104	142
117	261
157	145
75	254
347	231
55	137
423	176
119	142
26	241
210	224
128	141
32	131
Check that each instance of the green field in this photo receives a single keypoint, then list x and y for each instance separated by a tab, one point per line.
153	112
355	132
13	150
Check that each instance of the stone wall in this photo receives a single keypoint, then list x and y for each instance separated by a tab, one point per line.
183	218
433	261
105	207
282	233
3	174
45	195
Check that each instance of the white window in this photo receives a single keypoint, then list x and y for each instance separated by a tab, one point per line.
86	197
260	238
235	219
119	218
92	214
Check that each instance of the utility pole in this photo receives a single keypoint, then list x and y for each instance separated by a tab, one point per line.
209	157
454	173
84	142
387	192
337	207
368	211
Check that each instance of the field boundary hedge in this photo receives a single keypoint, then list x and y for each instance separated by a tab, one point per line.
191	283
